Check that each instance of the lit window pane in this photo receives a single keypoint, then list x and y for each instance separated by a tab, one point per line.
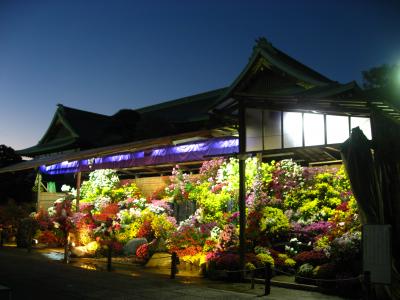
272	130
337	129
292	130
253	129
314	129
364	124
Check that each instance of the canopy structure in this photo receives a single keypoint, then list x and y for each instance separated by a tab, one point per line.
196	151
145	146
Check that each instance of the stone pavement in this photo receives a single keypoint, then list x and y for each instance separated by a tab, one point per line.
34	276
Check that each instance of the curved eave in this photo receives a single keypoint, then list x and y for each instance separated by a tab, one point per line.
54	146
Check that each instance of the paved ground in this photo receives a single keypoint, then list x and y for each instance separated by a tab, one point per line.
34	276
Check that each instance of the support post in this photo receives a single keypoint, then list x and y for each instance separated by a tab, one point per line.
39	186
174	261
29	238
78	190
242	185
66	247
367	285
253	275
109	257
267	290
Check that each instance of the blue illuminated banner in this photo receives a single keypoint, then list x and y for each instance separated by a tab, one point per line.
195	151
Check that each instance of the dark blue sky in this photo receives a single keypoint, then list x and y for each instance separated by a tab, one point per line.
102	56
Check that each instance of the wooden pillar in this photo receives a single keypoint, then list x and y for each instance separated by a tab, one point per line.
78	189
242	185
39	186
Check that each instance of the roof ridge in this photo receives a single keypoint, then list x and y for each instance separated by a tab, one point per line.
63	107
179	101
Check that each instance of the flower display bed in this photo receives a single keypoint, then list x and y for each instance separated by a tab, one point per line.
299	220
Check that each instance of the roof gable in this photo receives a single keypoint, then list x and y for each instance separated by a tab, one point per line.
273	77
270	70
72	128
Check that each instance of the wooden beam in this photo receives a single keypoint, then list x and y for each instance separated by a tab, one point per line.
78	189
39	186
242	185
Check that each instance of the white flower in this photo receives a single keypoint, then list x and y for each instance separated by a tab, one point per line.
59	200
156	209
65	188
52	211
56	225
215	232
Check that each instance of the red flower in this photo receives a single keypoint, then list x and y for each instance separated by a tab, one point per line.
312	257
143	251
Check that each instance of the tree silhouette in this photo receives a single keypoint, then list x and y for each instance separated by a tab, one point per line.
8	156
381	77
18	185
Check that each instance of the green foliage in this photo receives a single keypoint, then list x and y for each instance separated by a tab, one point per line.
305	270
213	205
320	195
180	186
100	183
274	221
128	232
229	173
126	191
289	262
266	259
162	226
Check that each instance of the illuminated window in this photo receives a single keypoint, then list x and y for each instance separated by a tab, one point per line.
363	123
272	130
292	129
337	129
314	129
253	129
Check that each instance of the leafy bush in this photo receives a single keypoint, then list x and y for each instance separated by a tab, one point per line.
265	259
100	184
48	237
180	185
325	271
228	237
26	228
274	221
305	270
212	205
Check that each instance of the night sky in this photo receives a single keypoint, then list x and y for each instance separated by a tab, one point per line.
102	56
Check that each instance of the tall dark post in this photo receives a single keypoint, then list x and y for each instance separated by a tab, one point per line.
29	237
66	246
39	186
109	257
78	190
242	184
174	261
